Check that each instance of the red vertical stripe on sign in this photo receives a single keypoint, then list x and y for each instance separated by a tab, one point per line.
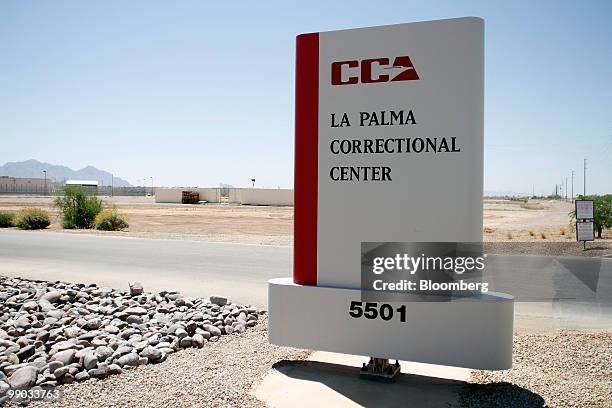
306	159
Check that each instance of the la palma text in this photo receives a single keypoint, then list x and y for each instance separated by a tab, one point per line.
394	145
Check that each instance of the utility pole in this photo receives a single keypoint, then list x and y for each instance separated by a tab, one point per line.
112	183
584	178
45	171
533	191
566	189
572	185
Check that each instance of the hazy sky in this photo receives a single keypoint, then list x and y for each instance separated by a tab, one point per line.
198	93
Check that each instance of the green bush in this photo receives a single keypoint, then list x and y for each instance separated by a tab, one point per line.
6	219
32	219
602	211
111	220
78	208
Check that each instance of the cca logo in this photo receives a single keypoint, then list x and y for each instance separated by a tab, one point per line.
408	73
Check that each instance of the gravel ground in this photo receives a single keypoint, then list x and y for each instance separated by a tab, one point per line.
598	248
221	374
564	369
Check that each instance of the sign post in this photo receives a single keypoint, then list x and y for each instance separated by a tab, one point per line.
585	226
388	148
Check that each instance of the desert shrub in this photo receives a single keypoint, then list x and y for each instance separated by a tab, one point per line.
562	231
110	220
488	230
543	235
602	212
79	209
531	234
32	218
509	236
6	219
533	206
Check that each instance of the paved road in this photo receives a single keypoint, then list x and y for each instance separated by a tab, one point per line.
195	268
241	271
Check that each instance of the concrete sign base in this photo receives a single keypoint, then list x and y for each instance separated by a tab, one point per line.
473	333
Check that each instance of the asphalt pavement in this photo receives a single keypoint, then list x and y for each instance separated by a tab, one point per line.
241	272
195	268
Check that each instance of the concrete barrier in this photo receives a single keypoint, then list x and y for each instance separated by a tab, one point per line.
211	195
262	196
168	195
175	194
246	196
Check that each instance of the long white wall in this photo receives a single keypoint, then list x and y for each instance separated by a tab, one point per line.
212	195
168	195
262	196
175	194
246	196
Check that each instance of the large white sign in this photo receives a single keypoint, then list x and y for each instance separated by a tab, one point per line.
399	142
388	148
585	231
584	209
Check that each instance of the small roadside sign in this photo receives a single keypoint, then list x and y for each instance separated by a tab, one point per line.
585	231
584	209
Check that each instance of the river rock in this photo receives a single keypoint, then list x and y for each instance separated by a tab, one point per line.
25	377
130	359
103	352
90	361
151	353
56	332
64	357
197	340
218	300
213	330
136	289
54	365
136	310
60	372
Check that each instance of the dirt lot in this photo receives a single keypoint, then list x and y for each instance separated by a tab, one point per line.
504	220
225	223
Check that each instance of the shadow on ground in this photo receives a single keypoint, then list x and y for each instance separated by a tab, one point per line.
408	391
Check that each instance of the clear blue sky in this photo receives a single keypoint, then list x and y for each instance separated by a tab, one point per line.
197	93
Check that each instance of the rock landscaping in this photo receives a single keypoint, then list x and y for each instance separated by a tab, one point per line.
559	369
55	333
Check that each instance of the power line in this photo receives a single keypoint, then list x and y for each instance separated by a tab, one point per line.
584	178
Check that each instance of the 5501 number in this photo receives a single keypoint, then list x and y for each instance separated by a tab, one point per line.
372	310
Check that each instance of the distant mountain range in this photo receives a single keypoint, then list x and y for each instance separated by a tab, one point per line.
34	169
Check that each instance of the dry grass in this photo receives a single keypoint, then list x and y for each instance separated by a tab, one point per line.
274	225
533	206
562	231
509	236
543	235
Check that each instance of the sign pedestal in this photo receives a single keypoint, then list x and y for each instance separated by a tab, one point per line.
472	332
379	369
